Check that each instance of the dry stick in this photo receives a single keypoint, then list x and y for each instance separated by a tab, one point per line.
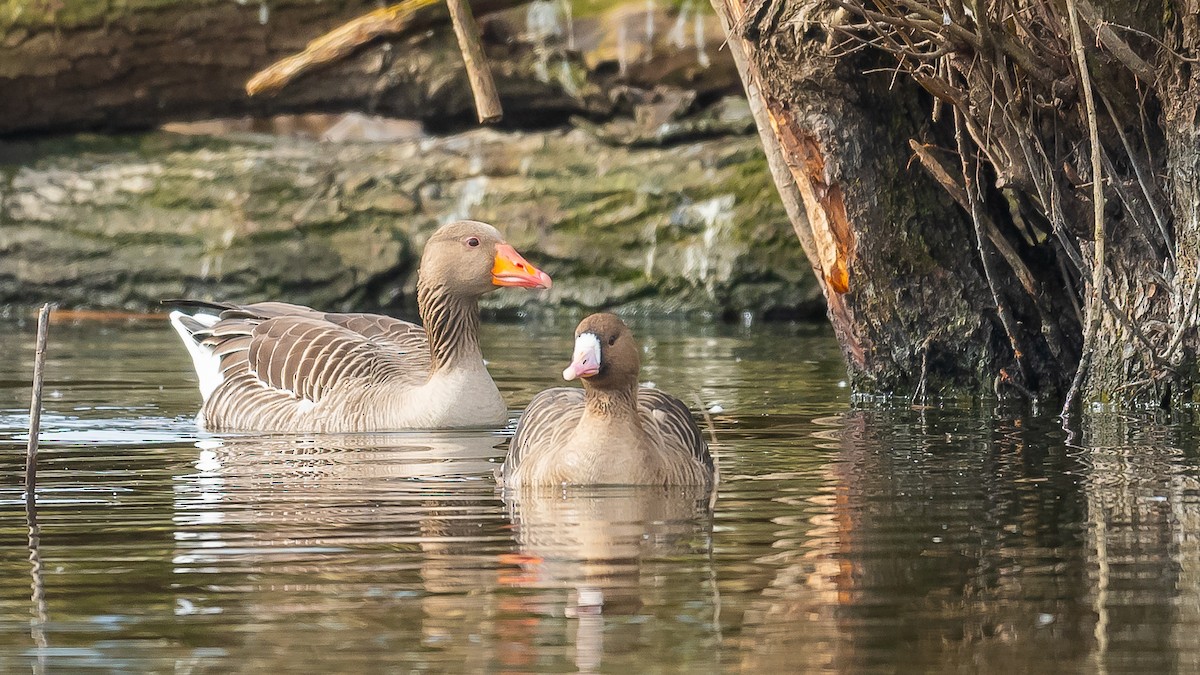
1187	316
37	586
487	101
1054	208
1025	140
1094	293
970	183
37	626
1066	278
339	43
1130	206
1031	150
1153	39
1119	315
1118	47
35	404
1143	180
785	183
959	195
1017	52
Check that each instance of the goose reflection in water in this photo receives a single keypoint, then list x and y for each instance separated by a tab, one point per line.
330	542
604	552
326	542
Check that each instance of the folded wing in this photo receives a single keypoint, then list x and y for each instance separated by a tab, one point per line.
275	359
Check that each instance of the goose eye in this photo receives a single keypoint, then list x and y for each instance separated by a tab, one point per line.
612	340
472	241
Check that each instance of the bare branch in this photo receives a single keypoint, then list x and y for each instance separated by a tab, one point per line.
1098	263
338	43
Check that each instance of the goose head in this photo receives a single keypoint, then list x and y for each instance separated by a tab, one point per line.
606	355
469	259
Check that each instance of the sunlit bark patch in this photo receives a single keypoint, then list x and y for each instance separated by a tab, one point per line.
823	199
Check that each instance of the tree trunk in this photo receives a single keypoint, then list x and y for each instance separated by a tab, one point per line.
907	293
942	163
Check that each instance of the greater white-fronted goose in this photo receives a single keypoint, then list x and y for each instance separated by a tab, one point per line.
612	432
273	366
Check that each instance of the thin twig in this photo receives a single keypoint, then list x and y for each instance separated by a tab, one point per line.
959	194
1071	294
1019	53
1143	180
919	392
1135	384
1136	332
1186	319
970	181
35	403
487	101
1097	289
1128	202
37	587
1153	39
1118	47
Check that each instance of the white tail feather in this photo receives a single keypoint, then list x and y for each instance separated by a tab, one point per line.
207	365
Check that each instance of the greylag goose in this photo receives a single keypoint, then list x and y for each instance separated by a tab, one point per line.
612	432
273	366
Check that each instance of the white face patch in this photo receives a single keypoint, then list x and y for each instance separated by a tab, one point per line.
586	360
588	344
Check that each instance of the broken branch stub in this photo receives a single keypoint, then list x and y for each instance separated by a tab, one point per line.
483	87
393	20
339	43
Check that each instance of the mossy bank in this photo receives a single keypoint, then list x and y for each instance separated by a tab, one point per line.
122	222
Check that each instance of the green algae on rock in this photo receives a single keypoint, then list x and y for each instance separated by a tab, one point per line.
120	222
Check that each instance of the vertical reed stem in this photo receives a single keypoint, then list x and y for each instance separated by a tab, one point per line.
1097	289
35	403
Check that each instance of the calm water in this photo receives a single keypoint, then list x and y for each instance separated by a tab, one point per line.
852	540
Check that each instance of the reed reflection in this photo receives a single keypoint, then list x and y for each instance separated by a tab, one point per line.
939	540
600	553
1142	483
39	617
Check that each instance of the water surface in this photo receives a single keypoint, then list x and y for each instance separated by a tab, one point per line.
893	539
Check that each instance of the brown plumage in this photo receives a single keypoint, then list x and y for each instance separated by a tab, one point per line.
274	366
611	432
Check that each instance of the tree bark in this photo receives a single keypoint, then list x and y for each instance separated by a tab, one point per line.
995	291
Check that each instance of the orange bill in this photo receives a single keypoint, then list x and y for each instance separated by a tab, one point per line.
510	269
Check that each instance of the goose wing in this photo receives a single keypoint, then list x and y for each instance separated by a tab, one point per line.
305	357
669	421
547	423
402	335
407	338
